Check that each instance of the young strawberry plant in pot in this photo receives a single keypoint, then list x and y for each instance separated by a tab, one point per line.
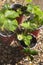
26	43
26	40
36	19
8	24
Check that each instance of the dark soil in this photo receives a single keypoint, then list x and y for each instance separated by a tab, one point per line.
10	55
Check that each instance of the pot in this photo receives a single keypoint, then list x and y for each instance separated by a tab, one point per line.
6	38
16	6
33	42
35	32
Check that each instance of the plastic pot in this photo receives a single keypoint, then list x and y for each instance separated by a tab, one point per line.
6	38
35	32
33	42
16	6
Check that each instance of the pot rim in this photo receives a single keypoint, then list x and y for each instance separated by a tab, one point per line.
6	35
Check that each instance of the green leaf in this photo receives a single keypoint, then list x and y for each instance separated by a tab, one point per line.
34	9
14	22
38	13
33	26
27	39
29	8
26	25
32	52
2	19
29	25
10	25
19	11
5	7
11	14
28	0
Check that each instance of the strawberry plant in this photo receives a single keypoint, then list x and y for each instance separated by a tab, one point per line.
8	19
8	23
25	38
11	16
28	1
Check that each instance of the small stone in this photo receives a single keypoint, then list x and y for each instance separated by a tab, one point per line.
26	59
20	62
30	63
